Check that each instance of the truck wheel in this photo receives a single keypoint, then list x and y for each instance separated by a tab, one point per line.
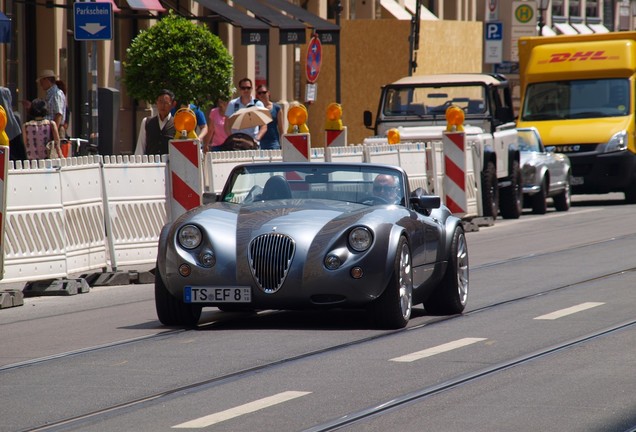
489	191
511	204
539	200
630	193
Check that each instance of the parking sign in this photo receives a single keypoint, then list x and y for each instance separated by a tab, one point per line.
493	46
93	21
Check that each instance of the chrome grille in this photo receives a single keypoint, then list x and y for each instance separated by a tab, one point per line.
270	256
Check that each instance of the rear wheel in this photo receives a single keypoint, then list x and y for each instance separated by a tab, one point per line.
630	193
490	191
539	200
511	204
171	311
392	309
452	294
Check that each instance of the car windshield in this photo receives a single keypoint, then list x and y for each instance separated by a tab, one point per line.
528	141
422	101
370	185
580	99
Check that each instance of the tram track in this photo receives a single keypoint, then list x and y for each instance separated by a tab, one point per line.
358	416
349	419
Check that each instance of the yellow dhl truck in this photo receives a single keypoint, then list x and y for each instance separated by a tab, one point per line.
578	91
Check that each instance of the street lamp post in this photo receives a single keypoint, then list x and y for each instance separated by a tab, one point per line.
542	5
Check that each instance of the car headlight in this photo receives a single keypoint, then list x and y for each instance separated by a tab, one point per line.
618	142
189	237
360	239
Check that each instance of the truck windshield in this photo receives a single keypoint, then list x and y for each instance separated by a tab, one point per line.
580	99
429	101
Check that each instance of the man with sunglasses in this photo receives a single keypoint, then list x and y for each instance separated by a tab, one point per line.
243	101
386	188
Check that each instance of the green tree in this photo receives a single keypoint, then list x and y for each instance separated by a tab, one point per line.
179	55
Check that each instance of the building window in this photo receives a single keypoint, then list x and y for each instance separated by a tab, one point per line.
591	9
557	8
575	8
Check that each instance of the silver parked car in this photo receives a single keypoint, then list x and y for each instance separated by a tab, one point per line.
314	235
545	173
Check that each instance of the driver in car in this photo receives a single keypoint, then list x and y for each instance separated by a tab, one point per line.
386	188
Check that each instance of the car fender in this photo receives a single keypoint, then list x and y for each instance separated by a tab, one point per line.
161	250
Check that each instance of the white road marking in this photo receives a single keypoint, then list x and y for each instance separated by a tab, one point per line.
437	350
240	410
568	311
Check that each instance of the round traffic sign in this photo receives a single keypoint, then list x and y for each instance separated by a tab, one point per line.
314	59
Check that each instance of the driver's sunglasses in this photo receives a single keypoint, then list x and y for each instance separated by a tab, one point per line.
384	188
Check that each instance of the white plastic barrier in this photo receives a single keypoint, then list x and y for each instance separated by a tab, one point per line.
135	189
435	167
81	187
344	154
412	158
34	231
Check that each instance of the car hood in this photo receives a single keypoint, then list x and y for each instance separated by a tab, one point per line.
297	218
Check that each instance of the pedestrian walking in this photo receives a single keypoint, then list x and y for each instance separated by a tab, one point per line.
216	131
271	138
156	132
243	101
41	134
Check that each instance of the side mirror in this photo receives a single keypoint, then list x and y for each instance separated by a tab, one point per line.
209	198
367	117
425	203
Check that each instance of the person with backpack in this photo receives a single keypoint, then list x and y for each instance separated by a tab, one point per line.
243	101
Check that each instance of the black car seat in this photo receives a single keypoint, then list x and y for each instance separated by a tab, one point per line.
276	188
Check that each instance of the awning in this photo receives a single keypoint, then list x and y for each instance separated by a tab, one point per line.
425	14
291	31
253	31
395	9
5	29
115	8
146	5
328	32
565	28
598	28
547	31
582	28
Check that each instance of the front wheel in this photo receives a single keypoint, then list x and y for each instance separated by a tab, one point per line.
563	201
490	190
539	200
392	310
171	311
511	204
451	296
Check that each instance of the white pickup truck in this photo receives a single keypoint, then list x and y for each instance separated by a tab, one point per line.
416	106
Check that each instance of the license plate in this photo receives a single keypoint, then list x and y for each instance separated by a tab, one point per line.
217	294
576	181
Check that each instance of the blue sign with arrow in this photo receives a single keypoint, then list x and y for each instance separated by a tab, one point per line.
93	21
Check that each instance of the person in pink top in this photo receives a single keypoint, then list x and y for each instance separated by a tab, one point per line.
216	132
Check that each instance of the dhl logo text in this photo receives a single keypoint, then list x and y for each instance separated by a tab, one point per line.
578	56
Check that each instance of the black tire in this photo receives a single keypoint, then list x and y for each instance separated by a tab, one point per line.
451	296
490	191
511	199
630	193
171	311
563	201
392	310
540	199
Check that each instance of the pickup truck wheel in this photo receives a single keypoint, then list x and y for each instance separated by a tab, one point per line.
511	204
539	200
563	200
489	191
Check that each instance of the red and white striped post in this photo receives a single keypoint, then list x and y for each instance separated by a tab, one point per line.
4	169
296	147
185	176
455	172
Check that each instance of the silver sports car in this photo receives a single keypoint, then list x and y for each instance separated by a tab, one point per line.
545	173
314	235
